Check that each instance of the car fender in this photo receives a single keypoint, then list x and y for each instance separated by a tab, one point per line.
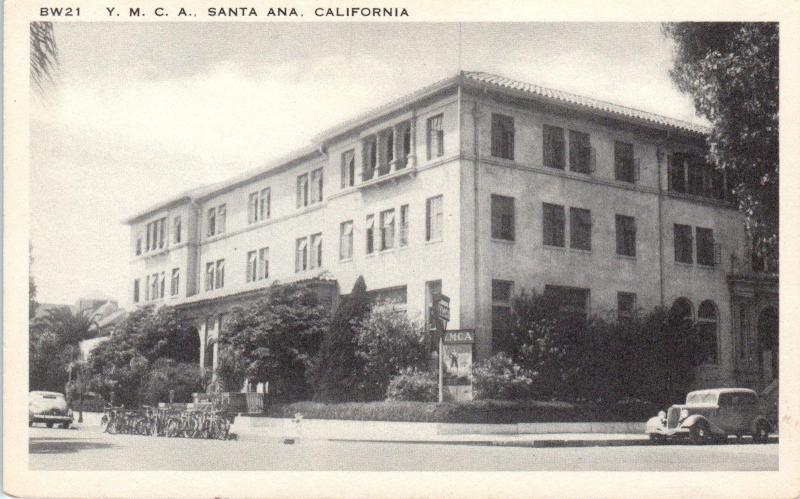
757	420
654	425
695	418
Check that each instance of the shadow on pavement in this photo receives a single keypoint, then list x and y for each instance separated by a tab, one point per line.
63	446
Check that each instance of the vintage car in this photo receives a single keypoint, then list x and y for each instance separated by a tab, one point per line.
49	408
712	415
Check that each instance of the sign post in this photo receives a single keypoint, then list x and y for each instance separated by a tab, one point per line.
441	314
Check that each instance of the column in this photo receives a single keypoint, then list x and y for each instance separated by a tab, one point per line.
215	351
203	333
395	151
412	156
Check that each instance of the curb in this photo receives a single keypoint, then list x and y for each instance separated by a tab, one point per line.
539	444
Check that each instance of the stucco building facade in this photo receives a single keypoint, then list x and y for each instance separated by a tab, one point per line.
477	187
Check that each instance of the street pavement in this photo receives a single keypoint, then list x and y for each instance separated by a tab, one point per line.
87	448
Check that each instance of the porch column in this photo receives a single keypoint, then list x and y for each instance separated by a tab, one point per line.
215	350
395	150
203	333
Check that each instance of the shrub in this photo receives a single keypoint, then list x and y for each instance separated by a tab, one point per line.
166	375
500	378
413	385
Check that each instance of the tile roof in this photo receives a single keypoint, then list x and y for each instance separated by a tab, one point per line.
559	96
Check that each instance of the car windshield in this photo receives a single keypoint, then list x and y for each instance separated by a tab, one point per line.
701	398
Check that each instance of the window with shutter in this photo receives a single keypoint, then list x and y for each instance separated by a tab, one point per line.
580	229
683	243
623	162
580	152
553	225
553	146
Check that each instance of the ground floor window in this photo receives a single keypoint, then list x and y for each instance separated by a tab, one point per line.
501	315
707	332
572	303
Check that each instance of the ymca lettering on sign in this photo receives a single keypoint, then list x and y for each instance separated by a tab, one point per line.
459	336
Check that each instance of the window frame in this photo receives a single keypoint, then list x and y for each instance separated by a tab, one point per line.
558	237
302	193
580	149
579	227
621	149
346	240
315	251
434	221
625	226
626	315
403	226
554	147
503	224
502	136
387	228
682	233
175	282
348	168
435	136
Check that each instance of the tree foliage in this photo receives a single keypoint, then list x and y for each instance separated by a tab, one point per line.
53	347
731	72
274	340
166	375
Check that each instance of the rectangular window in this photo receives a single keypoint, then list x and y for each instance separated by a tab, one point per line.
716	187
502	136
626	306
393	297
258	205
301	254
404	225
264	202
677	172
580	229
695	176
624	167
252	208
220	277
147	245
502	217
369	157
139	245
147	288
209	276
346	240
572	303
434	218
176	230
552	225
626	235
221	216
501	315
683	243
435	137
302	190
175	282
348	170
162	283
136	291
580	152
263	263
161	230
316	186
370	232
386	142
154	286
316	251
387	229
252	266
705	246
553	146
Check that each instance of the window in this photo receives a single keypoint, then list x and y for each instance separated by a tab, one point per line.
370	233
707	332
705	246
136	291
406	146
316	186
155	235
161	229
501	315
139	244
552	225
252	266
301	254
220	277
626	235
154	286
433	218
432	288
147	288
387	154
176	230
624	167
572	303
369	157
677	172
396	296
435	137
553	146
580	229
348	170
264	202
695	177
626	306
263	263
683	243
580	152
302	190
346	240
502	136
175	282
258	206
252	208
387	229
404	225
502	217
210	276
162	282
681	310
212	222
316	251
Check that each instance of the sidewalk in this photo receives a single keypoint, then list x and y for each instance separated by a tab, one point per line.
537	441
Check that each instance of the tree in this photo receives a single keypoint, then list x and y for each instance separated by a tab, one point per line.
274	339
166	375
731	72
336	372
44	53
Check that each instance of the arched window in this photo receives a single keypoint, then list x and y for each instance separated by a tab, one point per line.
707	326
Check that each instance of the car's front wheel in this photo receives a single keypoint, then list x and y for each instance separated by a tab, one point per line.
655	438
761	433
698	434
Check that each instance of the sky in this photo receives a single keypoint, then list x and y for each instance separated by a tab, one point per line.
139	112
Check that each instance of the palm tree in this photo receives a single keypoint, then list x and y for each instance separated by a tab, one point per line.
71	327
44	54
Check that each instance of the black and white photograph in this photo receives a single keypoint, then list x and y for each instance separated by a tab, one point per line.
329	239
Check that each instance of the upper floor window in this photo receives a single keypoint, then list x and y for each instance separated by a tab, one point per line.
626	235
176	230
387	229
369	157
683	243
138	244
502	136
316	186
553	146
624	164
346	240
136	291
690	173
155	234
316	251
370	233
263	263
435	137
502	217
676	172
302	190
220	277
705	247
581	155
403	225
257	265
216	220
215	275
434	218
301	254
175	282
258	205
553	225
580	229
252	265
386	156
348	168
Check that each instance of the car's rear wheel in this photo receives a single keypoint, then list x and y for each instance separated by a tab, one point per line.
65	426
49	425
761	433
698	434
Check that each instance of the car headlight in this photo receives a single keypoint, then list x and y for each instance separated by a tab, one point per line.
684	414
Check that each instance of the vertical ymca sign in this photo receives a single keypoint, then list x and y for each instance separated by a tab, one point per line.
455	353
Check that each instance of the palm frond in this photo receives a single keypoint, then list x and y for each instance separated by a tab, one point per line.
44	53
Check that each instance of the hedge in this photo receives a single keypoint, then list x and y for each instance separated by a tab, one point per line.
479	411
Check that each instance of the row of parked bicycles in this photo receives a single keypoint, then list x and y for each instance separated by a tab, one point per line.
167	422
